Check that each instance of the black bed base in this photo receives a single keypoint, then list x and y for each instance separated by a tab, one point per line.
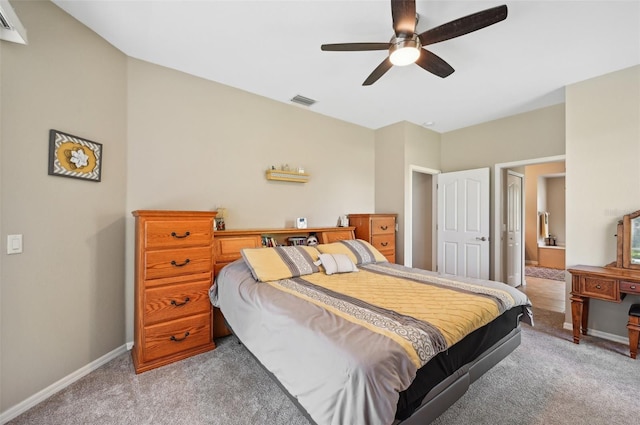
447	392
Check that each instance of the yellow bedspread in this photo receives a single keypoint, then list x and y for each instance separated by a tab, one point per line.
425	314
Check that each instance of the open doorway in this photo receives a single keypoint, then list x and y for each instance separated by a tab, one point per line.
542	238
419	228
422	219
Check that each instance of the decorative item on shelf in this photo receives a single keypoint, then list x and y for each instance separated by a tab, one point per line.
297	240
343	221
72	156
285	174
312	240
301	223
220	217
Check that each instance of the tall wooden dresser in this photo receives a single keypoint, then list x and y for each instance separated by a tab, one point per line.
377	229
173	272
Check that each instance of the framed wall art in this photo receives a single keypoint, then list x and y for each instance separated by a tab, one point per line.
72	156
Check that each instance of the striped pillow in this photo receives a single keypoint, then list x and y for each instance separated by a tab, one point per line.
359	251
281	262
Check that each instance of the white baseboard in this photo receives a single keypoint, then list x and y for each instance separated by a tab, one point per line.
40	396
600	334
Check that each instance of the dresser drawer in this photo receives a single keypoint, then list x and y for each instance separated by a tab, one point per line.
383	225
228	248
176	262
173	337
630	287
600	288
384	242
174	301
177	233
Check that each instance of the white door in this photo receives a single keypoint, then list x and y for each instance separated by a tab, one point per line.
463	223
514	229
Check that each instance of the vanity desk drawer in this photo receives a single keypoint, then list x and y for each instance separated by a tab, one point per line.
600	288
630	287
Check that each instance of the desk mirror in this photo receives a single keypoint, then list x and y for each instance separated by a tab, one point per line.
629	241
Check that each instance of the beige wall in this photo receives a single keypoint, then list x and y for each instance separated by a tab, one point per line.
171	141
195	144
535	134
389	177
603	177
63	298
398	147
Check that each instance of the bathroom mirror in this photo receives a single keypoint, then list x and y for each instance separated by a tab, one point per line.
629	241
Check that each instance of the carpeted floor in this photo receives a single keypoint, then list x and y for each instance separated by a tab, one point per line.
544	272
547	380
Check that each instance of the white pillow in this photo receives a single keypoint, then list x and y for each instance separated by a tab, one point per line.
336	263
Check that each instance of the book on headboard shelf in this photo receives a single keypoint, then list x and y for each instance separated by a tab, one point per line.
269	241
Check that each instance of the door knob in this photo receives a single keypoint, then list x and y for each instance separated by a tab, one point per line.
481	239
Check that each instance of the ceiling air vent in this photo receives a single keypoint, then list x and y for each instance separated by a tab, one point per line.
10	27
301	100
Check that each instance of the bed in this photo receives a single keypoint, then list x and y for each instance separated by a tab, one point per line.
354	339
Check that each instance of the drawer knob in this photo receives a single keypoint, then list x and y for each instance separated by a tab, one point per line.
633	286
173	338
384	243
384	227
180	304
180	236
598	287
173	263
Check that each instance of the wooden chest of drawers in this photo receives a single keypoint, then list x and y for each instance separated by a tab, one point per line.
377	229
173	273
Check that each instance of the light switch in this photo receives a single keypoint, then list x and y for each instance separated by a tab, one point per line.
14	244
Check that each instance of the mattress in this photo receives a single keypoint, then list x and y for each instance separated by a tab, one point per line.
339	371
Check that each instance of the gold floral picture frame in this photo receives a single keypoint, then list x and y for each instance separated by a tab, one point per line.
72	156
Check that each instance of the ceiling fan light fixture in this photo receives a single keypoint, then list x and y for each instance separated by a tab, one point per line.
405	51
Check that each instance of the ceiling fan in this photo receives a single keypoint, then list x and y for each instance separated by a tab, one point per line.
406	47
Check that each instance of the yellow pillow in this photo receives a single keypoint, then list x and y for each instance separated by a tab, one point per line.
281	262
359	251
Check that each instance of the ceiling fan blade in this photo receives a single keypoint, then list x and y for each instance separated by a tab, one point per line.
403	13
464	25
434	64
354	47
378	72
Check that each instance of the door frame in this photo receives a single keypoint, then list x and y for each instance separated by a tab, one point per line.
498	194
408	214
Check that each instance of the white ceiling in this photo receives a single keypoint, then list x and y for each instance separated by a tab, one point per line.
272	48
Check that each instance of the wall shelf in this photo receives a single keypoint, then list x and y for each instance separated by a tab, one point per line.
287	176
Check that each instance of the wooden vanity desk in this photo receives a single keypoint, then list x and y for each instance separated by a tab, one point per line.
607	283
